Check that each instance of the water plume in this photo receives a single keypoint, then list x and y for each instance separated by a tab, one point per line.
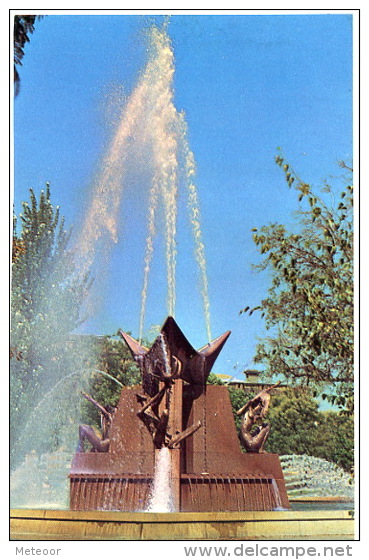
101	218
195	218
151	135
307	476
150	141
162	133
148	251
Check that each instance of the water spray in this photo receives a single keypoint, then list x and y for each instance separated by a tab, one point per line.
151	130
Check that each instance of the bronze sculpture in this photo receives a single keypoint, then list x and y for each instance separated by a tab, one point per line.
254	436
170	357
175	408
99	441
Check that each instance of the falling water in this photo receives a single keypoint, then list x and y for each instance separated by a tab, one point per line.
50	413
277	496
194	211
108	376
161	500
153	202
55	418
172	137
164	346
152	136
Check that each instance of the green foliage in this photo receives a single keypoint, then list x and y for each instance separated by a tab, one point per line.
214	380
337	439
294	420
298	427
113	358
47	294
309	308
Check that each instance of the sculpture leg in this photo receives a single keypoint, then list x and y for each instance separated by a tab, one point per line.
98	444
81	440
161	429
255	444
263	435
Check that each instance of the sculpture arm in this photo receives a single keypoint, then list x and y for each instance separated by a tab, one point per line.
98	405
262	398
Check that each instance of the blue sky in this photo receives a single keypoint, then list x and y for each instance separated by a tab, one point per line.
247	84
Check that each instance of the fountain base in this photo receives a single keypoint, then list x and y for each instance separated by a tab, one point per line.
209	470
256	526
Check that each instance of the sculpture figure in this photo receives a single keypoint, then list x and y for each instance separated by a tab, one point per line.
155	422
254	436
99	441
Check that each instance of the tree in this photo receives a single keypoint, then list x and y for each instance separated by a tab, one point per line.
23	27
115	360
46	301
299	427
213	379
309	308
294	420
337	439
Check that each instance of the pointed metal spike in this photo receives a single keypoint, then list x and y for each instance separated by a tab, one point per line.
135	348
212	350
195	365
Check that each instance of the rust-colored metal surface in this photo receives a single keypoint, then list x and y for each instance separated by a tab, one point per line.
175	408
172	354
121	478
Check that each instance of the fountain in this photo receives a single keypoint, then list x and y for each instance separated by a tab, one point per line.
175	412
171	466
312	478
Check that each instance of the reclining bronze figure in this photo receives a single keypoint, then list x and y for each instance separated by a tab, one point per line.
99	441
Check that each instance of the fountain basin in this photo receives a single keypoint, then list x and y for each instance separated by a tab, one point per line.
251	525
